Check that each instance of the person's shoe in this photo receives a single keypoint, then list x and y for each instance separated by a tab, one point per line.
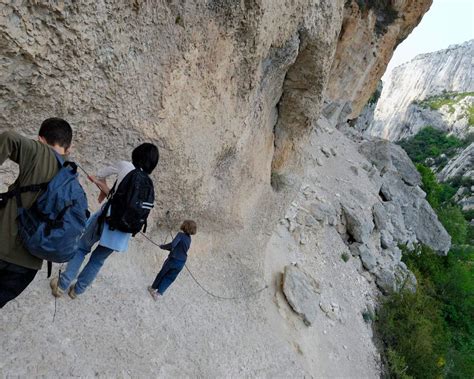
55	290
72	293
154	293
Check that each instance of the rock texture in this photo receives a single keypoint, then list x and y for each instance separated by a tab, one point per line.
450	70
302	293
461	165
369	33
233	93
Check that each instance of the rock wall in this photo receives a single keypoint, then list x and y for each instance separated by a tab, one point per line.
233	94
398	113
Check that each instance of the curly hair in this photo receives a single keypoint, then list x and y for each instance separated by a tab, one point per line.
189	227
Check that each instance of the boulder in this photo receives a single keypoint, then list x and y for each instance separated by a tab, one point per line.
386	239
358	224
302	293
429	230
324	212
419	218
395	278
387	156
367	257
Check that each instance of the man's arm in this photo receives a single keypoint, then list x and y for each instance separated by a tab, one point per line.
10	143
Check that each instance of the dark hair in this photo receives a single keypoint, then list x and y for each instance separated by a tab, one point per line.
146	157
56	131
189	227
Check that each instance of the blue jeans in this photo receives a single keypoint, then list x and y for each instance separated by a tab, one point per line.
92	268
168	273
88	273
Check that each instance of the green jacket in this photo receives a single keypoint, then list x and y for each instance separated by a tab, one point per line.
37	164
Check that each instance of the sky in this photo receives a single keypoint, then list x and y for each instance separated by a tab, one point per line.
448	22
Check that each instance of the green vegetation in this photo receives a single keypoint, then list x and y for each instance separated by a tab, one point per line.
449	99
470	115
345	257
431	143
369	316
446	98
376	95
430	333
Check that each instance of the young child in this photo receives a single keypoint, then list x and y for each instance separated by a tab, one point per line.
144	157
176	259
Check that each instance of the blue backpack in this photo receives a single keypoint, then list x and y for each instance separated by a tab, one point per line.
52	227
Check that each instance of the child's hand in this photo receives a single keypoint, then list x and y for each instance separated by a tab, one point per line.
101	197
102	184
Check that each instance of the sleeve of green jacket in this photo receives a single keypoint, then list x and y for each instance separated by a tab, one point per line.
13	146
37	164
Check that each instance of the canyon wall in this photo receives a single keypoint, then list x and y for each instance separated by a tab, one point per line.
403	107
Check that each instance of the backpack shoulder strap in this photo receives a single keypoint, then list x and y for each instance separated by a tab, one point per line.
16	192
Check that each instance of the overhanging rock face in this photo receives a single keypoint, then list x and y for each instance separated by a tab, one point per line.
227	91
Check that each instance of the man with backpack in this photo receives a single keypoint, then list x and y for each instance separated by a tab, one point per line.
124	214
32	213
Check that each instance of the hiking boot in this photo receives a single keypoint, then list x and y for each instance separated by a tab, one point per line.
55	290
72	293
154	293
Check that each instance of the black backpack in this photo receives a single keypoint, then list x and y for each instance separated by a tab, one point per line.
130	203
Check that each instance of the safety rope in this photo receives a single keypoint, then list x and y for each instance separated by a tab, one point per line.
202	287
55	298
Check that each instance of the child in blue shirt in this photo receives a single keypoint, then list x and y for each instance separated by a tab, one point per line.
176	260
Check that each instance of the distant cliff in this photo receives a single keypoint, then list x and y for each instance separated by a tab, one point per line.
432	89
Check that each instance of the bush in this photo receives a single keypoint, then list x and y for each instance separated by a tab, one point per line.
439	196
431	143
454	222
431	333
397	365
446	98
412	325
453	287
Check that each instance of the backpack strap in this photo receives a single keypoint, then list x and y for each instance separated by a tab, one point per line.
16	193
106	208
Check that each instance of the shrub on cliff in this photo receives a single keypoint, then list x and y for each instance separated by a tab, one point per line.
412	325
431	333
452	279
431	143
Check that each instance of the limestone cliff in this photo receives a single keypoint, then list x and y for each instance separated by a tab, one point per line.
242	99
410	98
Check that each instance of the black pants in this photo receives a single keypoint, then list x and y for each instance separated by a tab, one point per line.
13	280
